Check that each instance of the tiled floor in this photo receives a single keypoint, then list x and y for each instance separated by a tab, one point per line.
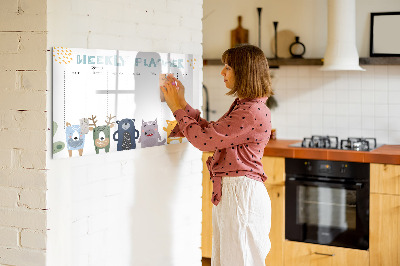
206	261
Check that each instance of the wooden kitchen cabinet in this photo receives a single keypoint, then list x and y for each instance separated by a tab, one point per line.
384	236
305	254
274	168
385	178
277	233
206	225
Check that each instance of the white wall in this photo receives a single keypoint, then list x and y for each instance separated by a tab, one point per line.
311	102
305	18
139	207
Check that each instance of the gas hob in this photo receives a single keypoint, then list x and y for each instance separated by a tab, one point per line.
332	142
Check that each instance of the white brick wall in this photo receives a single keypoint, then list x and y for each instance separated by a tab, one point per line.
23	132
140	207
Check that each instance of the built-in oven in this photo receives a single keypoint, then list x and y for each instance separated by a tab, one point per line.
327	202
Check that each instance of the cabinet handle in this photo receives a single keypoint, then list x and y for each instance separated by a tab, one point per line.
325	254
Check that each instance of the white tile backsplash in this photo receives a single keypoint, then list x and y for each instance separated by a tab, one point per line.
304	82
367	109
367	96
394	97
394	137
381	110
381	83
394	110
343	103
314	102
342	96
394	123
342	109
342	122
368	122
380	71
381	97
382	136
394	82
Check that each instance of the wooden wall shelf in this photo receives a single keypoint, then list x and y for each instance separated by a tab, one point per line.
273	63
380	61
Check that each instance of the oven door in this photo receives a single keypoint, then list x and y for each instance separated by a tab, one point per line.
327	213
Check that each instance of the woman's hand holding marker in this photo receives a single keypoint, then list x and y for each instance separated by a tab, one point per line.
173	93
180	88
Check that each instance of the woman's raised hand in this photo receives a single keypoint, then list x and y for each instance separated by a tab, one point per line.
181	90
171	95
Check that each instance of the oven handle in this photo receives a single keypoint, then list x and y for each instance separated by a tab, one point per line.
357	185
325	254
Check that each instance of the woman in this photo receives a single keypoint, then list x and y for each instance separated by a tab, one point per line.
242	208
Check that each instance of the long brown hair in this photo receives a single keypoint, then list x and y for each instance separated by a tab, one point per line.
250	66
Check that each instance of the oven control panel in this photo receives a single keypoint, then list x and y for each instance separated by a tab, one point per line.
338	169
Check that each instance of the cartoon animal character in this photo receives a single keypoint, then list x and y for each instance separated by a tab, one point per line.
75	138
84	123
59	145
127	134
169	128
150	135
101	134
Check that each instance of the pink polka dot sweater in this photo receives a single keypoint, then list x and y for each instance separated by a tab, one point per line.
238	139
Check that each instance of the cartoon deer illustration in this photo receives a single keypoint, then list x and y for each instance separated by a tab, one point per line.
101	134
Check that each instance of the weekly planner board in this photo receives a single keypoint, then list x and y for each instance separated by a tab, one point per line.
110	100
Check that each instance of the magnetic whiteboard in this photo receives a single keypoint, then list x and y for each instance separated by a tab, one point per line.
110	100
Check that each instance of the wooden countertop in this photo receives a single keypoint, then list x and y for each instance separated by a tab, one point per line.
389	154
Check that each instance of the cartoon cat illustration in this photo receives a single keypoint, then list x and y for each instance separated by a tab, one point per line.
169	128
149	134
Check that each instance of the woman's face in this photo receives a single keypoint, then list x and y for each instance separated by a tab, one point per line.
229	76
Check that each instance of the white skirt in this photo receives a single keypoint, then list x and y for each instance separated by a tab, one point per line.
241	223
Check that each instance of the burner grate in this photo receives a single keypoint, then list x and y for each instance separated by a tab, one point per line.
332	142
327	142
358	144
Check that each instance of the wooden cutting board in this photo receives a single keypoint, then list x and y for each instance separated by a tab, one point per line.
239	35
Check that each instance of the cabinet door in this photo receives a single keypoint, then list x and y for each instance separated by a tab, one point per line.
206	232
305	254
384	229
274	168
277	233
385	178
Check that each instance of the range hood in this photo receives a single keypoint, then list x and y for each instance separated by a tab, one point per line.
341	51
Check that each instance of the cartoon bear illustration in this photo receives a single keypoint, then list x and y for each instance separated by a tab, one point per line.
127	134
75	138
149	136
101	134
169	128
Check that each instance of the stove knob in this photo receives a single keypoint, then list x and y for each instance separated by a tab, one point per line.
343	168
308	166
